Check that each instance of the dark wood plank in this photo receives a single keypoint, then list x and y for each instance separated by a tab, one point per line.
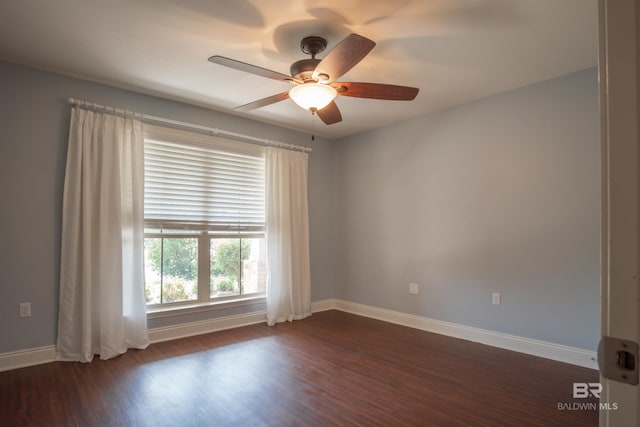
330	369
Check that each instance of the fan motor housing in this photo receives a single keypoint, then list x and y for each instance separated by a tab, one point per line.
303	69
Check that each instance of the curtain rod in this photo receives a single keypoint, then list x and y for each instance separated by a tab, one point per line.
213	131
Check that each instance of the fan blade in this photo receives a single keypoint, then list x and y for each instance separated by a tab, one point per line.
375	91
344	56
330	114
263	102
248	68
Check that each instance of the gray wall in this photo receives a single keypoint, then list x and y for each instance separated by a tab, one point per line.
499	195
34	122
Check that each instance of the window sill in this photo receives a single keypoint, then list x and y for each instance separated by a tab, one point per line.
155	313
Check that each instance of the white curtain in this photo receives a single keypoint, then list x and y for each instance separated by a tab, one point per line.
102	300
288	277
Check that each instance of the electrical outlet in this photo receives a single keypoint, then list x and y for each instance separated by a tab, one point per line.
413	288
25	309
495	298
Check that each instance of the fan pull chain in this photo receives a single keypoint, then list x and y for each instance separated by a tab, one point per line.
313	124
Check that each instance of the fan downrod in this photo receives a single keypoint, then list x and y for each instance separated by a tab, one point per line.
303	69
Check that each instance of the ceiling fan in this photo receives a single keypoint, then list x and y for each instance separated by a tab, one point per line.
314	80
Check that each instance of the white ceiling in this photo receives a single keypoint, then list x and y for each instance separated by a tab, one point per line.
454	51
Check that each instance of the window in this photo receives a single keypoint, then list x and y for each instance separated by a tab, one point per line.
204	208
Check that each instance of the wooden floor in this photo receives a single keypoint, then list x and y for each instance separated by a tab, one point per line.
331	369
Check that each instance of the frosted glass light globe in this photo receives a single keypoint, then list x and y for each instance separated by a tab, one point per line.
312	96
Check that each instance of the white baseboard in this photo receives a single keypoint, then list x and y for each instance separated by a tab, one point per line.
183	330
28	357
40	355
562	353
323	305
547	350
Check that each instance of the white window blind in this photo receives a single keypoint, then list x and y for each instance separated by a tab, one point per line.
202	182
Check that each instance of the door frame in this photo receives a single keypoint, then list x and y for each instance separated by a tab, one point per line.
619	88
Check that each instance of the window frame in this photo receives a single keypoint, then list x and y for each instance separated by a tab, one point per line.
203	231
204	270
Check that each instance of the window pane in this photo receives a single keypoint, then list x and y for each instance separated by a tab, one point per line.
236	262
171	269
254	271
179	269
225	267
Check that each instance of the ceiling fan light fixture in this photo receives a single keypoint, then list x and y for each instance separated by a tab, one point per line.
312	96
